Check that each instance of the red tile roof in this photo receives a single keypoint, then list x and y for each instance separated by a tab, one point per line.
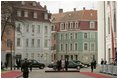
75	15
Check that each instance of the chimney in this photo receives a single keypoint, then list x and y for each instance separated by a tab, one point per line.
45	7
74	9
84	8
60	10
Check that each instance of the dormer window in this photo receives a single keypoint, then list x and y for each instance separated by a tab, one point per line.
23	2
46	16
26	14
35	15
34	4
19	13
92	25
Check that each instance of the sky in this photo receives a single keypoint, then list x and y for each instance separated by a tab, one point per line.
54	6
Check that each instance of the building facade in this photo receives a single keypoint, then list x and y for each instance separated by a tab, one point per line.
33	32
76	33
107	33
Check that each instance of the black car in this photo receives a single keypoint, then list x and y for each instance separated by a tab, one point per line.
36	64
71	64
81	63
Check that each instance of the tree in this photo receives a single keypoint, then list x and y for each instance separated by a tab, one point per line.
8	16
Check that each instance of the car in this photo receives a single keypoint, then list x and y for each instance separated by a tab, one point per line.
83	65
36	64
71	64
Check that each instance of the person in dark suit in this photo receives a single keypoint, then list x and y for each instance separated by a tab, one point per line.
66	64
92	66
95	64
24	68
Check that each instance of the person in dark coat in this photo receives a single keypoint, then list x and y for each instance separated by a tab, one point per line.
92	66
66	64
6	65
58	65
95	64
102	61
24	68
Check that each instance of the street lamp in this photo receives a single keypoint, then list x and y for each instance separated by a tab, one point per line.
10	45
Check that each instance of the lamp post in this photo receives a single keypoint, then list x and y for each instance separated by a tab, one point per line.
10	45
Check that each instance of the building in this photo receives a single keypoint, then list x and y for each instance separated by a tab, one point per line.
76	34
107	33
33	32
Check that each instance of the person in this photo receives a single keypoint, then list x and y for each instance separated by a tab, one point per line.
105	62
30	66
66	64
24	68
95	64
102	61
62	64
92	66
58	65
6	65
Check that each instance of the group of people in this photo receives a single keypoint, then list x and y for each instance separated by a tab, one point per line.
4	65
93	65
61	65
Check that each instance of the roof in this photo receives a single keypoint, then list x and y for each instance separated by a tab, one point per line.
75	15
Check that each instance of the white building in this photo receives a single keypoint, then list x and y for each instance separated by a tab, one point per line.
106	29
33	34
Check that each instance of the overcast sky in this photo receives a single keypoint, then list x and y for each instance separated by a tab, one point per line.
54	6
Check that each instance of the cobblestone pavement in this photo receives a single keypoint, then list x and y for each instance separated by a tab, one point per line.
40	73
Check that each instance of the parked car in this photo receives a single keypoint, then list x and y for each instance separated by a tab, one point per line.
36	64
71	64
81	63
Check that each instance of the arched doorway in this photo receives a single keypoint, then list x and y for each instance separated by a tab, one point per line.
8	59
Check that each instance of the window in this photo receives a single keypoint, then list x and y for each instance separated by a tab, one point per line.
22	13
35	15
85	35
46	43
18	28
61	37
115	22
26	14
76	57
38	42
75	35
23	2
71	36
66	47
46	29
19	13
61	47
18	42
71	47
34	4
75	46
71	57
66	36
108	25
46	16
76	24
92	35
85	46
92	46
38	28
27	28
92	25
32	43
33	28
27	42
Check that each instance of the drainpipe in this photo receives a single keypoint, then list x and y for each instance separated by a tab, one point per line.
104	33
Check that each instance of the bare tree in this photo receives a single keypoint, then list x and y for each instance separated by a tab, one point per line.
8	15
